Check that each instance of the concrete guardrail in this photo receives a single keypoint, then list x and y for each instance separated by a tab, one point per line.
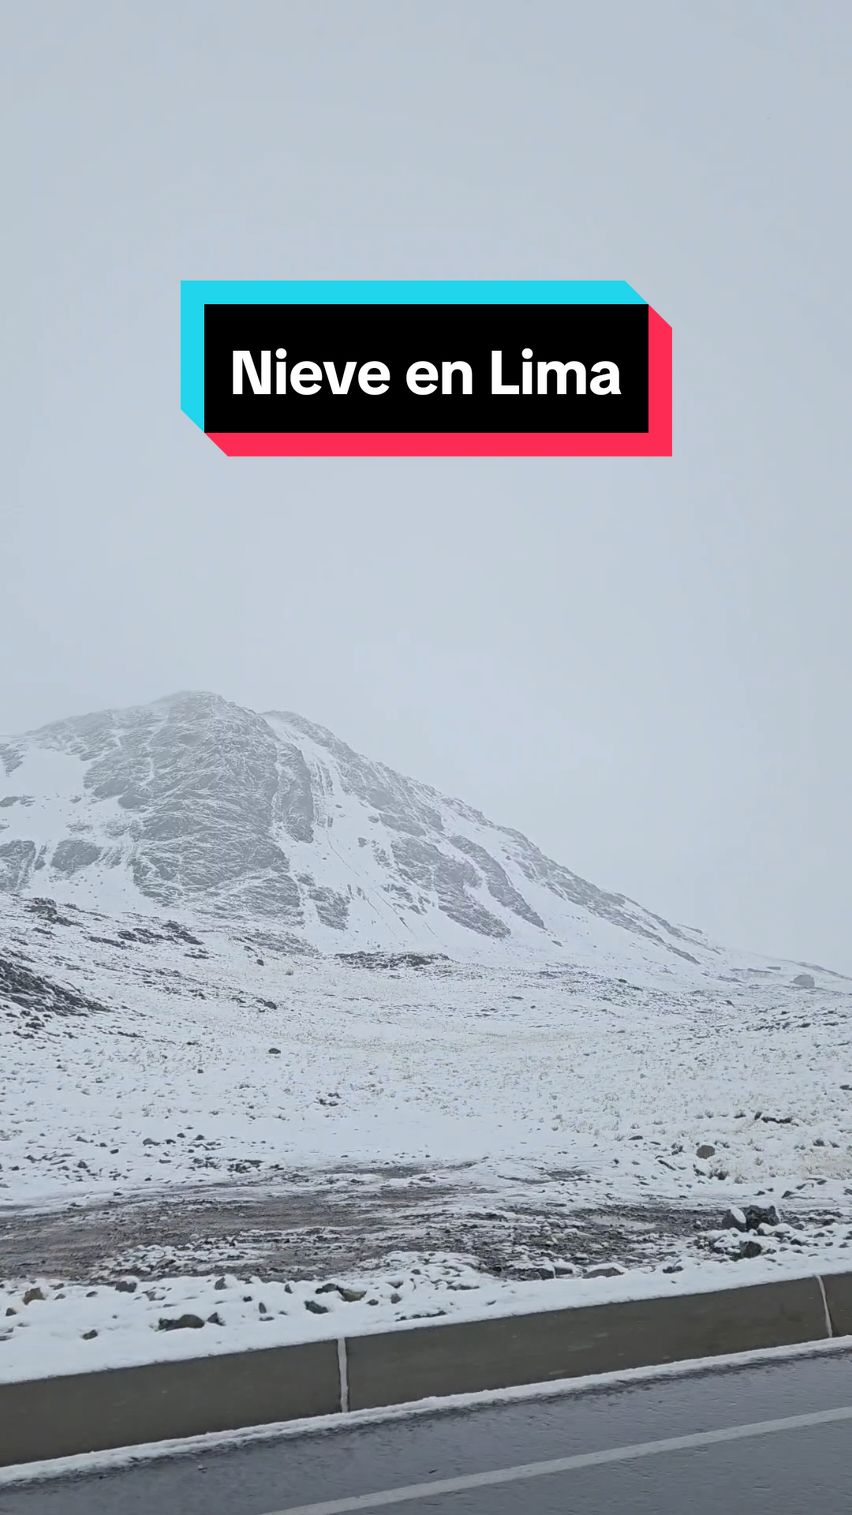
87	1412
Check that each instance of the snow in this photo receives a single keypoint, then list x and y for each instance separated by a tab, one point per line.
201	1064
51	1336
525	1097
208	806
176	1081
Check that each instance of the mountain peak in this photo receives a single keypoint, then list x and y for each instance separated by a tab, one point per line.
195	803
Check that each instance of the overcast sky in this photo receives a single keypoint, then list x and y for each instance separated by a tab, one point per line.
644	664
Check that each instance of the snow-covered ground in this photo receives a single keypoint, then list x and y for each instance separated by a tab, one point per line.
290	1020
436	1135
53	1327
197	1055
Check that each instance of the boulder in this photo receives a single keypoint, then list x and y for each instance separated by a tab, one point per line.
750	1218
761	1215
180	1323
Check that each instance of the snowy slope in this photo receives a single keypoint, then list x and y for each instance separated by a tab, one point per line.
197	805
175	1057
271	1010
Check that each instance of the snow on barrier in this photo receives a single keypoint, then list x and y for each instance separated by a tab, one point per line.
87	1412
838	1302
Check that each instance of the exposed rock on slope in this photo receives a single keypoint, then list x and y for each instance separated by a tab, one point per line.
195	804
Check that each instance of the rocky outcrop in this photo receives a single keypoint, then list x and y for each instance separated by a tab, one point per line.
193	803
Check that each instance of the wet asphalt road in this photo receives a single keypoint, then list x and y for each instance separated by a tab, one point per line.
605	1444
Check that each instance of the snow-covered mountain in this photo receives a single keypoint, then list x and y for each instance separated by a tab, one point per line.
331	1018
195	805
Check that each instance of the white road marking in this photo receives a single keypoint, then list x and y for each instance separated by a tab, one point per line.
523	1471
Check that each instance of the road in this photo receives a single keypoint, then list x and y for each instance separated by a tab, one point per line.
774	1437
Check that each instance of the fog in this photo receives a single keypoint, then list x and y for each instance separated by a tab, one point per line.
643	664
